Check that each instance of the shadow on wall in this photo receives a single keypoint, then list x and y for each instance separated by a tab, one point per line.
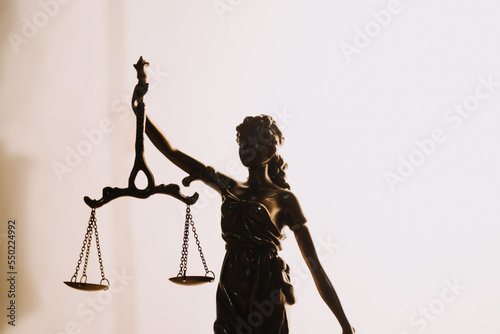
13	186
8	13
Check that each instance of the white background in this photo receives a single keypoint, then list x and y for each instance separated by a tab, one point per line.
66	67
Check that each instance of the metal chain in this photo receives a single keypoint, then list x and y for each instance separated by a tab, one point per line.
91	228
184	253
103	277
86	242
87	252
84	272
202	256
185	246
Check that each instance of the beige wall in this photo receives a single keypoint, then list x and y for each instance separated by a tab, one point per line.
349	118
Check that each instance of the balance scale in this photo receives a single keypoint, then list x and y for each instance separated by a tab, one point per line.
109	194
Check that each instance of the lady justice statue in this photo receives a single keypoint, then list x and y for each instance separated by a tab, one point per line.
254	285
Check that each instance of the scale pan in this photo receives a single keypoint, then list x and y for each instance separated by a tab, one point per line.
191	280
86	286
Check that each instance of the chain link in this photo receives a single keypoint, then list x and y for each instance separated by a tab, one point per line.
185	244
202	256
87	252
184	254
84	246
101	267
87	241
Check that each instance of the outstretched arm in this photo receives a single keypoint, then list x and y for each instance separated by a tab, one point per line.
323	284
196	169
180	159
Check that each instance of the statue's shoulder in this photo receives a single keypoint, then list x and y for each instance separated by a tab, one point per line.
291	211
287	197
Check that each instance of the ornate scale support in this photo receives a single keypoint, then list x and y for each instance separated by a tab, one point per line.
110	193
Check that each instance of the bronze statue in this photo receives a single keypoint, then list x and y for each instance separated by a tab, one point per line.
254	283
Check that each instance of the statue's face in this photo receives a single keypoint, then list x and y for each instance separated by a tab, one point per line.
257	148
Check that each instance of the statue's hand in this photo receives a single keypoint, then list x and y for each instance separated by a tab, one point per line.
208	171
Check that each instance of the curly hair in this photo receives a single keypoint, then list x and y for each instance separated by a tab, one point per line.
268	133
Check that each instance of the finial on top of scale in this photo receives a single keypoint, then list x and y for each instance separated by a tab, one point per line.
139	67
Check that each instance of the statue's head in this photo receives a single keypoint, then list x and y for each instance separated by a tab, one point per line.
258	138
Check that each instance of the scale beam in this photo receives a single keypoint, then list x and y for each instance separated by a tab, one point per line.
110	193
